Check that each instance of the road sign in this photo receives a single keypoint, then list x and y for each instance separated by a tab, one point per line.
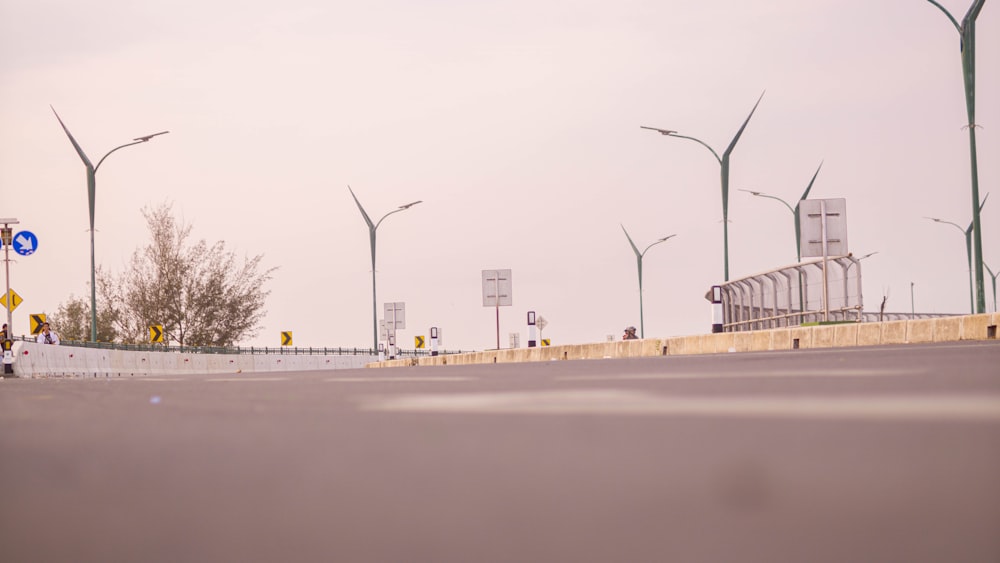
25	243
541	322
823	221
35	321
395	316
515	340
286	338
546	342
497	288
156	333
418	342
11	300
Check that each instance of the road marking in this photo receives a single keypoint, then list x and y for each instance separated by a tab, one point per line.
376	379
240	379
620	402
806	372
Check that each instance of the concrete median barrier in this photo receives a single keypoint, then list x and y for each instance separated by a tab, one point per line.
941	329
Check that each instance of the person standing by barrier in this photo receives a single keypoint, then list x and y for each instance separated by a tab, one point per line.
630	334
47	336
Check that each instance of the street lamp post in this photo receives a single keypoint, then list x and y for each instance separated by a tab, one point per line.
638	260
869	255
967	233
793	210
724	173
91	198
967	47
372	227
797	223
994	278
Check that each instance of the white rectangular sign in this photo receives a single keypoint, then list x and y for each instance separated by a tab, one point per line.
497	288
395	316
812	219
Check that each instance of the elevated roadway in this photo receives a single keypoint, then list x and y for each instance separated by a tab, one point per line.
883	453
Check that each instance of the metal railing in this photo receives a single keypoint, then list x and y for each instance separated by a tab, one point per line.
257	350
800	294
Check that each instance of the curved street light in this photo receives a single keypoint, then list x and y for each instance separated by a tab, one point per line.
967	48
91	197
372	227
793	210
994	277
724	173
638	260
967	232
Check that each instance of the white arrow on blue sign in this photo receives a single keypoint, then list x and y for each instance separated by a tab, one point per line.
25	243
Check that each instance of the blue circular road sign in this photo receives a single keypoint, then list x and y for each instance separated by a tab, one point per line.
25	243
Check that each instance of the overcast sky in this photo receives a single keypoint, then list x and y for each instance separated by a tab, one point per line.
517	124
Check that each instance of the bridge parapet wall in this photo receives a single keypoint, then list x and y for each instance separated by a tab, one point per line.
941	329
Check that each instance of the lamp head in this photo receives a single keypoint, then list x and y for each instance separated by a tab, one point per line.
148	137
409	205
660	131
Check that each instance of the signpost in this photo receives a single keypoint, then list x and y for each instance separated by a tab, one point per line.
395	318
824	230
6	236
532	325
497	290
435	336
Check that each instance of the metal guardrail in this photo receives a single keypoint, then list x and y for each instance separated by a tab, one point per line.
255	350
796	295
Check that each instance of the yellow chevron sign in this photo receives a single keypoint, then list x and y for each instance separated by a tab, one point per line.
156	333
286	338
36	321
418	342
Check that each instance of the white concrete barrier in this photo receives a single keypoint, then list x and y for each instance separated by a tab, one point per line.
44	360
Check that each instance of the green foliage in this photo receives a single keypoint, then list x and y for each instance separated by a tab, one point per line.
72	320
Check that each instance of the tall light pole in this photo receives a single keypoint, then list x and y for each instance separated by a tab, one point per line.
91	197
638	260
967	232
724	173
793	210
994	277
967	48
372	227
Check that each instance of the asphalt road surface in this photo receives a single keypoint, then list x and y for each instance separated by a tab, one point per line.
878	454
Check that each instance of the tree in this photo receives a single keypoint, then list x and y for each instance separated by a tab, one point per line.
72	320
201	294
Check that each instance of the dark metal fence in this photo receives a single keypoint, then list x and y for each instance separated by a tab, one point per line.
257	350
